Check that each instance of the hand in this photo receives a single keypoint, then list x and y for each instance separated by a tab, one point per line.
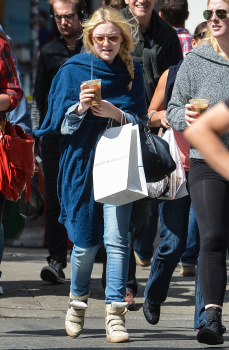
85	97
107	110
164	121
190	114
159	118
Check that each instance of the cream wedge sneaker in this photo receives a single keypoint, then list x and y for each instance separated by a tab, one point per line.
74	320
115	322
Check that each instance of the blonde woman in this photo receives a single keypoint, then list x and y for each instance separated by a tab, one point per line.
205	74
108	39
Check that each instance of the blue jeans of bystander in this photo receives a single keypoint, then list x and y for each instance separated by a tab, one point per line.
190	255
143	225
199	315
174	227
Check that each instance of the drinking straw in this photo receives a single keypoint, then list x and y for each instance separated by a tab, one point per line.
91	69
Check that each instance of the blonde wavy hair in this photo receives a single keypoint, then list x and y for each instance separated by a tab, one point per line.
108	14
209	39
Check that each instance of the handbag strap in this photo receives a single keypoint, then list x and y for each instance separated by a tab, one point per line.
149	135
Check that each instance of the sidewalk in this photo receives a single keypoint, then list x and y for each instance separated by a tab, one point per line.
32	312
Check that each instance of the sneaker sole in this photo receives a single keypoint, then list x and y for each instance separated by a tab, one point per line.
209	337
49	275
119	340
70	333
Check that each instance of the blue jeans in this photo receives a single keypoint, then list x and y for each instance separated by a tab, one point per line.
199	315
190	255
116	224
142	226
174	228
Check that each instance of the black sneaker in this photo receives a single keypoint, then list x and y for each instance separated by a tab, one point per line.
53	272
151	312
212	332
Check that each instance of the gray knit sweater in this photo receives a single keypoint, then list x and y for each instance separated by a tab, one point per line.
203	74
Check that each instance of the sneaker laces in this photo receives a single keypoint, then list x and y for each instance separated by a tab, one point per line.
58	265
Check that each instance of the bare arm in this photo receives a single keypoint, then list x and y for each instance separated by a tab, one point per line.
159	117
204	135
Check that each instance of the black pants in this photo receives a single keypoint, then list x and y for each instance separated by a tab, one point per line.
56	232
210	197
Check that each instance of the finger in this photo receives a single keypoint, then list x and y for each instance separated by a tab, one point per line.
188	106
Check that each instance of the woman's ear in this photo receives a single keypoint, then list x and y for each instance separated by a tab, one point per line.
194	43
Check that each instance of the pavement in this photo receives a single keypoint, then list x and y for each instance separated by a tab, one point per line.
32	311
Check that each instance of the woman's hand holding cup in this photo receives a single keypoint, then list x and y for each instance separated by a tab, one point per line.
85	97
190	115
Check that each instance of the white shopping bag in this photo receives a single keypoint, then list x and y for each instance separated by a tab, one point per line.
118	173
177	179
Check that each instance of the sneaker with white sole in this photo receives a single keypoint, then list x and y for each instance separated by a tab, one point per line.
53	272
115	322
74	320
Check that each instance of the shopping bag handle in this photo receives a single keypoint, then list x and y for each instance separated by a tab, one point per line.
110	121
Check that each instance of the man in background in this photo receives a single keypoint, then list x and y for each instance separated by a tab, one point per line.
67	16
175	12
157	49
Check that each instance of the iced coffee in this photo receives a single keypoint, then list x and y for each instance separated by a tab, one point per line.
199	104
96	85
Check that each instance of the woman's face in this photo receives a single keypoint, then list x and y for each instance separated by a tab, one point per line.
106	39
219	28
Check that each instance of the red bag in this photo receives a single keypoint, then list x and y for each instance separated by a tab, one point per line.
16	161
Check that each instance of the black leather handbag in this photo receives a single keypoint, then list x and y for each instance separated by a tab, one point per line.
157	160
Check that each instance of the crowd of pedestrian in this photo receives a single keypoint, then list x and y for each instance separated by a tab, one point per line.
151	69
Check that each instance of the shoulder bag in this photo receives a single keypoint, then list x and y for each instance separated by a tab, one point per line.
16	161
157	160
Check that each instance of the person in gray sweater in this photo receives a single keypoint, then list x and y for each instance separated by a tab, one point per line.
205	74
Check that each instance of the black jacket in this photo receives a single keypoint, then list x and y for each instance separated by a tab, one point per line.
165	51
52	56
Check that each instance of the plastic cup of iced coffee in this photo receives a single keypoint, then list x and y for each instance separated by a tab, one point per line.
199	104
96	85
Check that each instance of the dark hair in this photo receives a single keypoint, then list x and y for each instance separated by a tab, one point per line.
200	27
80	7
174	11
116	4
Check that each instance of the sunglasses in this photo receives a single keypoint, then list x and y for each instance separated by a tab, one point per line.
112	39
221	14
200	35
68	18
